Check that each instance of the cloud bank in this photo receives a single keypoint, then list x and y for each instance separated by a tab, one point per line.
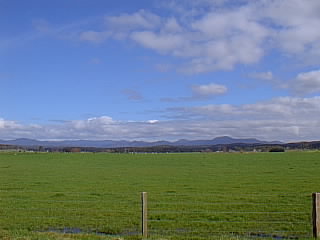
284	119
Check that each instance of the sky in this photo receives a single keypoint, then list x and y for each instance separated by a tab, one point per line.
160	70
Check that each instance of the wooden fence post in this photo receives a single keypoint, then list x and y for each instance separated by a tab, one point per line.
316	214
144	202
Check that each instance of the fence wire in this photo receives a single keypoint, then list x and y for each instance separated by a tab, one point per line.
169	214
264	215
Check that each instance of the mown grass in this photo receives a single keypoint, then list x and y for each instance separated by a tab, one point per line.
191	196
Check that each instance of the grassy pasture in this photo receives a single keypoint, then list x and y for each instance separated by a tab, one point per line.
191	196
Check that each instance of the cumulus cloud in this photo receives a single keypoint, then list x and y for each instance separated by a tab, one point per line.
162	43
303	84
152	121
284	118
208	90
200	92
297	20
171	25
306	83
210	42
208	35
221	35
6	124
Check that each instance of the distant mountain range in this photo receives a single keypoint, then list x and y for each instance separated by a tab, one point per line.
116	144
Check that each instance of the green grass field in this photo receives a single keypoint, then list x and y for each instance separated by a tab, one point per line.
190	196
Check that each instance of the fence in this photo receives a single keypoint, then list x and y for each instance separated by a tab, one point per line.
170	213
280	216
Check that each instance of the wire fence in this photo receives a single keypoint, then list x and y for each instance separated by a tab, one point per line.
183	215
282	216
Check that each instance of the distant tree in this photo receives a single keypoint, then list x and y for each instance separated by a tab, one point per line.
276	149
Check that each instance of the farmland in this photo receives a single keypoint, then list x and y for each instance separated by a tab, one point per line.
190	196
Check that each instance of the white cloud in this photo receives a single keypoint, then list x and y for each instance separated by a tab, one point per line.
162	43
6	124
306	83
262	75
152	121
172	26
221	35
210	35
200	92
208	90
303	84
2	123
285	118
277	108
209	43
297	20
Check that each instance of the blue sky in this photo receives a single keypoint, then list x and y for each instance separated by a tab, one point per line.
160	70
